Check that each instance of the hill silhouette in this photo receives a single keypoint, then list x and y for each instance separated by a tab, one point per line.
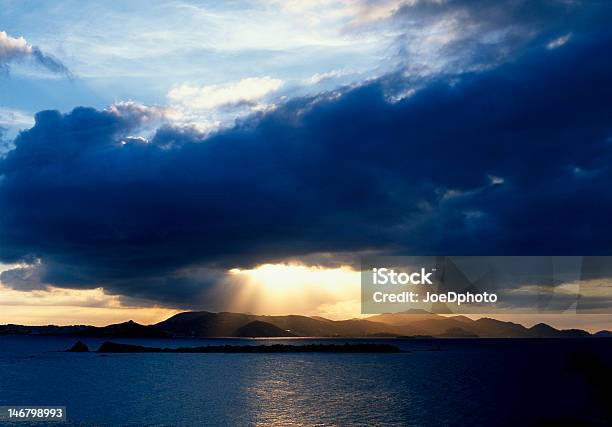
203	324
257	329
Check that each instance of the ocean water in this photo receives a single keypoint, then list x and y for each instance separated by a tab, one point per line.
439	382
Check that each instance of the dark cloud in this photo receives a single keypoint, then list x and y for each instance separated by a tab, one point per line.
23	278
470	34
49	62
514	160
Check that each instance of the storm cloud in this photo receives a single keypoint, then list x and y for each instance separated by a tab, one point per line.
451	35
511	160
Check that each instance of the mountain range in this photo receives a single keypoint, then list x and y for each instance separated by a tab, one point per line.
203	324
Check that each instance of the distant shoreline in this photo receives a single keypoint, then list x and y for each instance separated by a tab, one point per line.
407	325
318	338
113	347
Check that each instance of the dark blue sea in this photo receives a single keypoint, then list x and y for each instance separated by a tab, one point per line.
439	382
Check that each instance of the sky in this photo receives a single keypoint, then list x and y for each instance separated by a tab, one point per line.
243	155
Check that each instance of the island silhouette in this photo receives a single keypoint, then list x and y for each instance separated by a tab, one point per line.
203	324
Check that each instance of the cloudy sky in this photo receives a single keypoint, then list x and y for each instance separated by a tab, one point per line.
168	155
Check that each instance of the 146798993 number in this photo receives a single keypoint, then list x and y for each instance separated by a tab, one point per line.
47	413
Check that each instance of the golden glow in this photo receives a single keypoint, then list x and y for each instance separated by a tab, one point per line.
74	315
297	289
71	307
268	289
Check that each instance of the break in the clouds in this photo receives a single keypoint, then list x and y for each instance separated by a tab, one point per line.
212	106
10	122
248	91
15	118
509	160
13	49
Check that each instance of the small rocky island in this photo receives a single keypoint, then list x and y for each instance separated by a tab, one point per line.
79	347
113	347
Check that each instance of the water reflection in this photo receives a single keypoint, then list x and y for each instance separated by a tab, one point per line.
325	391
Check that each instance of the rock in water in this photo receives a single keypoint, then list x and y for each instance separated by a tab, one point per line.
79	347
